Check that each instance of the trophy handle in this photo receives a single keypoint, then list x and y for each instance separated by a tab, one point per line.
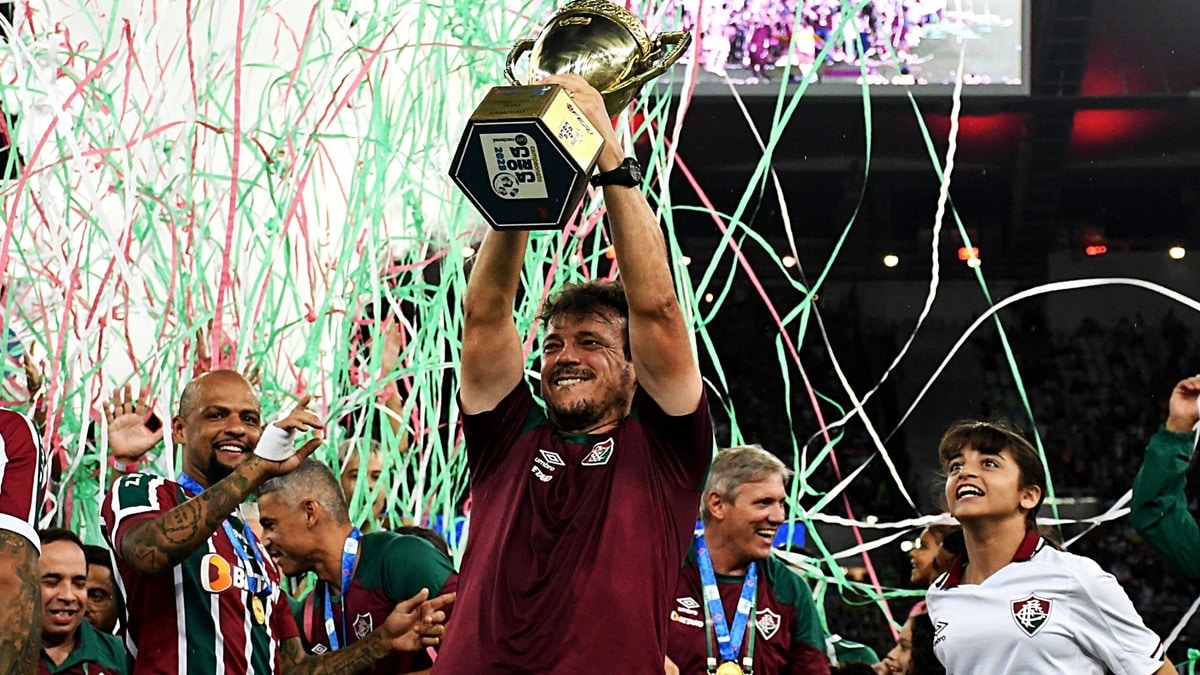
678	42
523	45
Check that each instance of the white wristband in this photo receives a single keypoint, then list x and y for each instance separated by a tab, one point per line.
276	444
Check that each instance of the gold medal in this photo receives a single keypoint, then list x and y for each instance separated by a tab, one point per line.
260	612
729	668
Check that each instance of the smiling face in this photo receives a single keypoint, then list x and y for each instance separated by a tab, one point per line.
587	380
218	426
285	533
748	524
64	589
899	660
987	486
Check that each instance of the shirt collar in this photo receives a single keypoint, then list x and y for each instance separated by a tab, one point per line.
1030	545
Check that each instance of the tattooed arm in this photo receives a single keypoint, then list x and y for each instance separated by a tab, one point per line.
20	613
414	624
157	545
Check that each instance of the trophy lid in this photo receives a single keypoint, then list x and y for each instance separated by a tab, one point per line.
599	41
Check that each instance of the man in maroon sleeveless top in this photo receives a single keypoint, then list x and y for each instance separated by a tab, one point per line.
582	512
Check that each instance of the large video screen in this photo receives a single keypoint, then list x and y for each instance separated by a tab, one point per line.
893	45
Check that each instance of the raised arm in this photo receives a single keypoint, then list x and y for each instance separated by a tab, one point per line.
155	546
1159	510
492	361
658	336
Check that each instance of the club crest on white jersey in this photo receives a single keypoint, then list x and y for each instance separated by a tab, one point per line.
1031	613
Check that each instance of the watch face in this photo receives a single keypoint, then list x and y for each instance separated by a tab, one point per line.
635	170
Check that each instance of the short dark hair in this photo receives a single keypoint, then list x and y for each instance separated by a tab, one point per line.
992	438
97	555
587	297
313	480
428	535
53	534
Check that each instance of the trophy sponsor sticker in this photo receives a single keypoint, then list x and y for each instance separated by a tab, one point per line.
513	166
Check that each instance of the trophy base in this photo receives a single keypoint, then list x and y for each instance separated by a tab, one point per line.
525	157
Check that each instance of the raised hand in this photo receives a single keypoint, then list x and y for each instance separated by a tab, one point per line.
1184	411
393	342
128	436
299	420
33	374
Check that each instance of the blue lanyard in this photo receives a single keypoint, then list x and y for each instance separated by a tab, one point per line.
729	641
349	555
252	581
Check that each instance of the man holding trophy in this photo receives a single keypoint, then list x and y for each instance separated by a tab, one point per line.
582	512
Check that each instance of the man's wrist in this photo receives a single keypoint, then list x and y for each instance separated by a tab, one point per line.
123	467
1178	426
610	157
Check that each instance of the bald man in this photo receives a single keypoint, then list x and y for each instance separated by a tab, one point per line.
202	596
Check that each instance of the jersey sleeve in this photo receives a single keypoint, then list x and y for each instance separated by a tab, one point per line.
685	442
1159	508
23	475
132	499
1109	627
413	564
790	588
490	434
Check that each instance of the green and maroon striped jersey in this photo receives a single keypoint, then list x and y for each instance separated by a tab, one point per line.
391	567
198	618
575	541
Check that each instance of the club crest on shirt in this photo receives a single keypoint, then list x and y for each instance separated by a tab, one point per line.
363	625
600	454
1031	613
767	622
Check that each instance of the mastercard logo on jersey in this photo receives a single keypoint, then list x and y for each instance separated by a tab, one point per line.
217	575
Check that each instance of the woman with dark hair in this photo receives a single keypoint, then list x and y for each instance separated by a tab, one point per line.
929	560
1010	603
913	653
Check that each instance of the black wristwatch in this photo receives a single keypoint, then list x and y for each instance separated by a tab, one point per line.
629	174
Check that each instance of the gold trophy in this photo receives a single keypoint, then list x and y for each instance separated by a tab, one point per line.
527	152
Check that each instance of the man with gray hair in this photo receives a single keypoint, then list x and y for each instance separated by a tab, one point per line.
773	626
360	577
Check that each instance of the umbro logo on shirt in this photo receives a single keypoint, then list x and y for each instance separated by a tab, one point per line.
544	463
687	606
